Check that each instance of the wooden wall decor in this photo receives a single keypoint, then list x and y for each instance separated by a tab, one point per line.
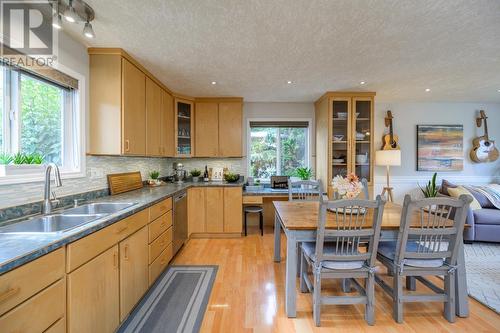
124	182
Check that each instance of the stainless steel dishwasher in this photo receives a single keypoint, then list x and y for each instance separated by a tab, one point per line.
180	221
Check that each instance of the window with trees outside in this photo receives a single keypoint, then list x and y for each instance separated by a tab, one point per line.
38	121
278	148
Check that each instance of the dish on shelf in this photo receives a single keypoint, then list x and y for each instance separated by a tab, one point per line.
342	115
360	136
338	160
338	137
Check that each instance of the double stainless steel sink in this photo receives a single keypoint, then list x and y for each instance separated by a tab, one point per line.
65	220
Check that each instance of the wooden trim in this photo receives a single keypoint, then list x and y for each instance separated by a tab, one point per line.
184	97
219	99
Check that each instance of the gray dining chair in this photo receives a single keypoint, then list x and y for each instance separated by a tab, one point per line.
304	190
427	245
366	194
336	253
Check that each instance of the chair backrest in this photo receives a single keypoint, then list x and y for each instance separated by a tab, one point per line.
428	222
304	190
366	195
355	221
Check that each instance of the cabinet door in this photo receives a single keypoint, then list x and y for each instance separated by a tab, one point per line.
93	295
134	262
206	129
362	128
134	113
342	137
233	209
214	209
167	124
196	210
230	119
184	124
153	118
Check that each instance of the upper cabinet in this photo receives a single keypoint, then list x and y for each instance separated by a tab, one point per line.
184	124
218	127
133	113
344	140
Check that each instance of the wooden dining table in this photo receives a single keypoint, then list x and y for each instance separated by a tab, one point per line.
299	221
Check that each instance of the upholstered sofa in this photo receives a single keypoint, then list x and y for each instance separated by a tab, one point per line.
482	224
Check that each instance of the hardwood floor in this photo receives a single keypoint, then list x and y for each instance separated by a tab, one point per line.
248	296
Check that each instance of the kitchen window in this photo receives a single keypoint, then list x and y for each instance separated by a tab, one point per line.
277	148
38	117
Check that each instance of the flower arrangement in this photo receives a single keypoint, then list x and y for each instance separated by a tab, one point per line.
349	187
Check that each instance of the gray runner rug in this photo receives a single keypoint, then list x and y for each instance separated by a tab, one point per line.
175	303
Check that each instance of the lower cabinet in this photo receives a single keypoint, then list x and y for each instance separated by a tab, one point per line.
133	270
214	210
93	294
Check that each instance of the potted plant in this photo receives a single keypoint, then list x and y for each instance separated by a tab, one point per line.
304	173
21	164
430	190
154	178
196	173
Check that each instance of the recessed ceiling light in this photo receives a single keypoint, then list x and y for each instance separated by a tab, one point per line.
289	82
362	82
427	89
214	82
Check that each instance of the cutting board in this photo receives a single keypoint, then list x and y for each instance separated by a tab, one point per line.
124	182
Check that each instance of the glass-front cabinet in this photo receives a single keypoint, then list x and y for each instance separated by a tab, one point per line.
184	125
344	136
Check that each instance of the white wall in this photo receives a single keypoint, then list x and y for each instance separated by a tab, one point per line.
263	110
408	115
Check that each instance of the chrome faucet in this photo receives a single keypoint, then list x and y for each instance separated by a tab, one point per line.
47	202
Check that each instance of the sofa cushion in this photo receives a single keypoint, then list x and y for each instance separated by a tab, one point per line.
445	185
458	191
388	250
487	216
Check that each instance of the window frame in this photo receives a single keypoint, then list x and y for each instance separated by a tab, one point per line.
74	156
309	150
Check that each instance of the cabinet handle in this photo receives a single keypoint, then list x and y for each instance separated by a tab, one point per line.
127	145
122	230
125	252
8	294
115	259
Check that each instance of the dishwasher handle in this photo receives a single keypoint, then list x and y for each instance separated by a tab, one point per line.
180	197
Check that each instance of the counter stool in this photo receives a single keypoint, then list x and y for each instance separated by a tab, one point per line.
255	209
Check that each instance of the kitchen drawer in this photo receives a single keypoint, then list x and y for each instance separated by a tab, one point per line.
159	209
252	199
39	312
91	246
25	281
58	327
159	265
160	244
159	226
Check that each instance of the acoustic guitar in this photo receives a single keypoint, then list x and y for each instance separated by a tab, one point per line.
483	149
390	140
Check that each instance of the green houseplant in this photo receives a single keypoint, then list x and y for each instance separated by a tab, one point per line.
304	173
21	163
430	190
154	178
195	173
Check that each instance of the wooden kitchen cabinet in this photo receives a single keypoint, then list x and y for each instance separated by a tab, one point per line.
207	129
93	294
153	118
233	199
196	210
167	124
214	209
230	131
134	262
184	127
134	113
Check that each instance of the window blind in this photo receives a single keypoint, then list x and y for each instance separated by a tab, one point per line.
280	124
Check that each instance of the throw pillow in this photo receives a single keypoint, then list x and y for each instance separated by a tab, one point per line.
457	191
445	185
482	199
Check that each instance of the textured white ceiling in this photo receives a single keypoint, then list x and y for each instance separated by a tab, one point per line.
253	47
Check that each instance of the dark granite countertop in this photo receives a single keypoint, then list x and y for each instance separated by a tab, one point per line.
18	249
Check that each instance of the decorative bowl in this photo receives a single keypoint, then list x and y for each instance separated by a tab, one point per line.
231	177
338	137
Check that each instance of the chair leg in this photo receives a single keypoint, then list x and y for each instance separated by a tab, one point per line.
245	219
317	298
397	310
449	289
303	272
299	262
370	295
261	224
411	283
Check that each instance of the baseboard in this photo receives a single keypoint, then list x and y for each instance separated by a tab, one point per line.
215	235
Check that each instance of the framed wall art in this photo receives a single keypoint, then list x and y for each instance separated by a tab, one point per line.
440	148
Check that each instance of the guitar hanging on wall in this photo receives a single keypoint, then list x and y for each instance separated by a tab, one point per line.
483	149
390	140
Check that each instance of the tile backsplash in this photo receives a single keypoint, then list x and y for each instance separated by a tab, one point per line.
97	169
